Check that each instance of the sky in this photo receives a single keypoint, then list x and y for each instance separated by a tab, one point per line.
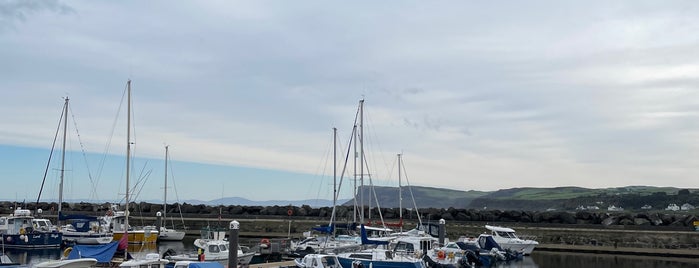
476	95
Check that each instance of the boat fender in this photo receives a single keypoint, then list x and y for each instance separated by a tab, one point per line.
67	251
265	242
441	255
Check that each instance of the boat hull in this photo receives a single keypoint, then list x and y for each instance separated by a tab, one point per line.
87	238
347	263
171	235
33	240
138	237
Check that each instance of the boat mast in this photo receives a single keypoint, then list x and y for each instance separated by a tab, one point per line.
63	160
356	204
361	157
332	221
165	195
400	195
128	155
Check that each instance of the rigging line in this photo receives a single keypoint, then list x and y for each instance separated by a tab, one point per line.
320	176
82	149
410	188
344	167
109	140
174	187
48	164
374	137
376	198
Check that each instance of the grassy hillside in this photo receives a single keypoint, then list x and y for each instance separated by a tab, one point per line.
526	198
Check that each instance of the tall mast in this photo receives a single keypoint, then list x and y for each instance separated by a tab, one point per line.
128	153
361	157
354	136
334	179
400	195
165	195
63	159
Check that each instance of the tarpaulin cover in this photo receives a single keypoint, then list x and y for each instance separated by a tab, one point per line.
103	253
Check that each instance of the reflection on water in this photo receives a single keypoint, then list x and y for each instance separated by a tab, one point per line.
584	260
539	259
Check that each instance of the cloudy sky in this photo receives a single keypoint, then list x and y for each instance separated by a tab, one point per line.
476	95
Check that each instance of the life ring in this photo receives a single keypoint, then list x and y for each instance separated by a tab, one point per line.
440	254
110	213
22	231
67	251
289	212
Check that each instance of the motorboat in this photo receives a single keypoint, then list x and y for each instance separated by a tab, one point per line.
507	239
86	230
151	260
17	231
318	261
214	247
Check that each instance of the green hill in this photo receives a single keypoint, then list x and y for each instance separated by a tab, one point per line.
529	198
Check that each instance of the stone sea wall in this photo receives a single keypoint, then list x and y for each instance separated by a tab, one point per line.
601	218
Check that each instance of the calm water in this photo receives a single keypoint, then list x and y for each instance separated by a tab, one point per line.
539	259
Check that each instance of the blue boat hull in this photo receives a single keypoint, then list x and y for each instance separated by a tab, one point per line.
347	263
33	240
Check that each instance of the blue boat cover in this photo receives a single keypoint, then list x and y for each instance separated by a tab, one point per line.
103	253
366	241
64	217
488	243
205	265
325	229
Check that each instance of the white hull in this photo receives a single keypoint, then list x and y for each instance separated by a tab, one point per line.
76	263
87	239
170	235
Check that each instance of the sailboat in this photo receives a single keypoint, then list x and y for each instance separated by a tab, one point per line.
117	220
80	229
166	234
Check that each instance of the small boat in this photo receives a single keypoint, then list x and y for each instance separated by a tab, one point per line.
166	234
85	230
507	239
197	264
215	247
85	256
318	261
404	253
17	231
118	222
151	260
72	263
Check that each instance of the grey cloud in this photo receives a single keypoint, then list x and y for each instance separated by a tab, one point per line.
12	11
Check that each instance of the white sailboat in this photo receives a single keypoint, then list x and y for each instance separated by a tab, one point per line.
165	233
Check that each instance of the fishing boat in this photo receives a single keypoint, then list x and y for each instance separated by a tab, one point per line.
166	234
17	231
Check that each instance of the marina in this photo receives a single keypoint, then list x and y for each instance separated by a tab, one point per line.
541	258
